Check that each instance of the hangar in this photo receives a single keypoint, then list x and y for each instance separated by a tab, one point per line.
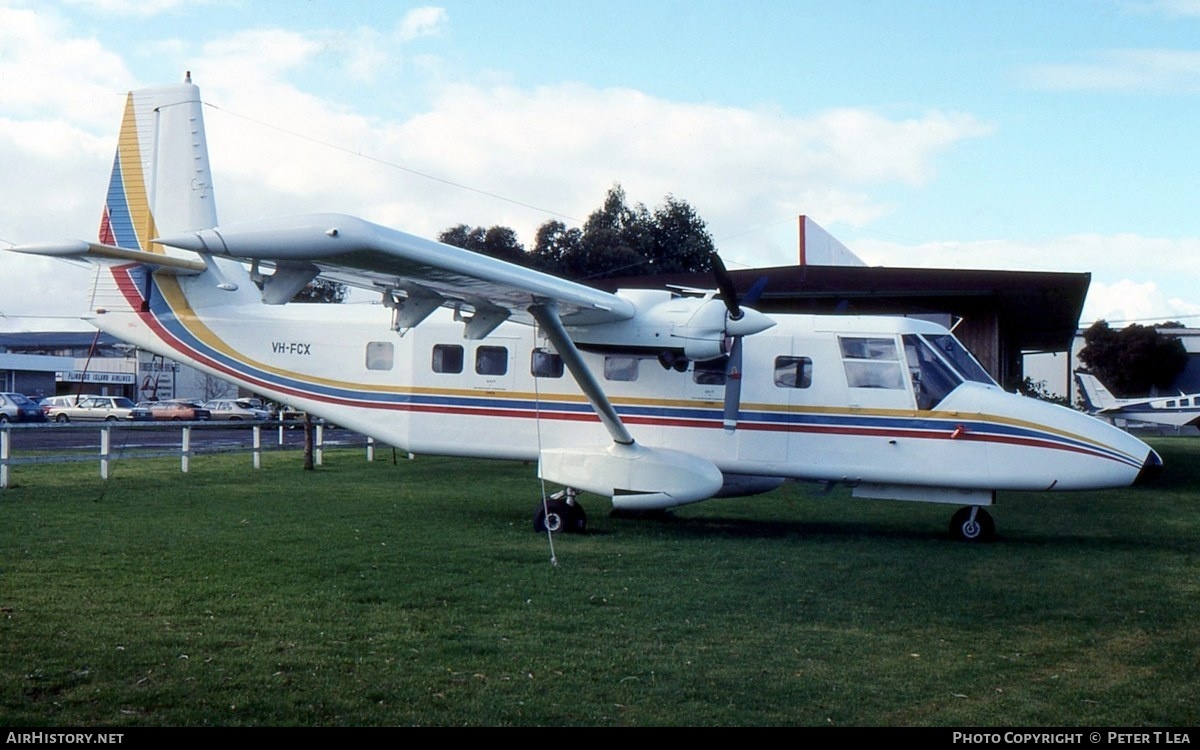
999	315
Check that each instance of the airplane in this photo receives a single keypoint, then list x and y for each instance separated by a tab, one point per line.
651	398
1171	411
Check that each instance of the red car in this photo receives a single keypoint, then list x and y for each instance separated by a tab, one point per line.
176	411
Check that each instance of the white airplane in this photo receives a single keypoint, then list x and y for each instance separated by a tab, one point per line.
1170	411
650	398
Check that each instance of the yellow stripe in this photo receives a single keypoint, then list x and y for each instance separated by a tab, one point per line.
134	181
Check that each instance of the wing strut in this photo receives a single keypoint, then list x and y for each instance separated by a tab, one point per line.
546	314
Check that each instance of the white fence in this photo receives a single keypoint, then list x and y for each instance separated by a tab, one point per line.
45	443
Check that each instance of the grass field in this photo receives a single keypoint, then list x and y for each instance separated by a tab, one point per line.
417	593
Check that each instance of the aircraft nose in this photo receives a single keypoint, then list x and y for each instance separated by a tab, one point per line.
1151	468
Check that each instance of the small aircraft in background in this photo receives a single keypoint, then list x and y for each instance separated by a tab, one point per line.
650	398
1170	411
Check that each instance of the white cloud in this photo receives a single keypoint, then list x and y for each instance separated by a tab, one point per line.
1178	8
419	22
1134	70
277	148
143	8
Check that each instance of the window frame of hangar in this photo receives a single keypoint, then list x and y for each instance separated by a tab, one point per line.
445	358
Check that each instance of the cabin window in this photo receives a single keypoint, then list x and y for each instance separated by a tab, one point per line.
491	360
621	368
380	355
545	364
448	358
871	362
1171	404
710	372
793	372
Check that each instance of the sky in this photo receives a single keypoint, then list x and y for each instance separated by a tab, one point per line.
1025	135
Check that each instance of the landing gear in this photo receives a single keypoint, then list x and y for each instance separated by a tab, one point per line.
972	524
561	513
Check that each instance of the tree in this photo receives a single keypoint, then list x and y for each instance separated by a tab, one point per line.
1133	360
498	242
620	240
616	240
554	245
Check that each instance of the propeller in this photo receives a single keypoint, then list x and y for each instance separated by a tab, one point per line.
733	364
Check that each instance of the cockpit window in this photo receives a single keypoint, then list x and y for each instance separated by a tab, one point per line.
938	365
932	378
959	358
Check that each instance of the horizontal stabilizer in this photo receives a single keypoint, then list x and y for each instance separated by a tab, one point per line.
111	255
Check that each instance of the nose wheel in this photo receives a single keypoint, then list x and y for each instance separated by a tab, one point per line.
560	513
973	524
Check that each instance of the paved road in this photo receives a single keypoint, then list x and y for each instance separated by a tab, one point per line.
165	436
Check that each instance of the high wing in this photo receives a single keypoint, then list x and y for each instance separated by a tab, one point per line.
417	275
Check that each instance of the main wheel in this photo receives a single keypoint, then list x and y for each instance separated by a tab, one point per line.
63	418
980	528
559	516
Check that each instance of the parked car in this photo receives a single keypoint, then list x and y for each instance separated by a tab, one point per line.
176	411
237	410
51	402
15	407
97	409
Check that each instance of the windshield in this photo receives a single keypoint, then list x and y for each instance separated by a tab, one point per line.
959	358
938	365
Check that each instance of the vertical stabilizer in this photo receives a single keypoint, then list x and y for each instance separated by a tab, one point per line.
1095	394
161	183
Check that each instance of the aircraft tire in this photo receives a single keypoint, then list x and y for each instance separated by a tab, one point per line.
982	529
62	419
560	517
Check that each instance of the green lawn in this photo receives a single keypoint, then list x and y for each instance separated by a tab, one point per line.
417	593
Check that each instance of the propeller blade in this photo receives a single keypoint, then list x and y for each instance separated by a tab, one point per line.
733	384
725	284
760	285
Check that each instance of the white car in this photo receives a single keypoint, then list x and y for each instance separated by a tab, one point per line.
236	410
97	409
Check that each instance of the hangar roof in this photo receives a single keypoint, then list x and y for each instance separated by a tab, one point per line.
1039	311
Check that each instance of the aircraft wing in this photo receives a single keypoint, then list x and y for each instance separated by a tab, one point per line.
421	273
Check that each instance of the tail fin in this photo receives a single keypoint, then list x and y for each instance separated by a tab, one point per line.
161	183
1095	395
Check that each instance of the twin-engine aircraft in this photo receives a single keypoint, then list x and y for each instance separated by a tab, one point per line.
1169	411
650	398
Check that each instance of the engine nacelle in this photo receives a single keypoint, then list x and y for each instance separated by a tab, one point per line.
697	325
